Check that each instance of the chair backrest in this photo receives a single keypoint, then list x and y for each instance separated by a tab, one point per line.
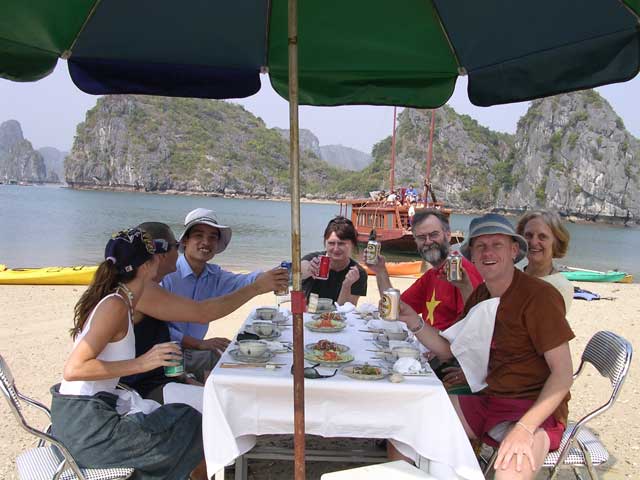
8	387
611	355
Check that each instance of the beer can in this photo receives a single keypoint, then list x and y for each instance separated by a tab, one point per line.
454	267
177	369
371	252
390	304
285	291
323	270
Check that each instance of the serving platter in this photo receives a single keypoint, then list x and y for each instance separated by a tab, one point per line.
360	372
328	358
324	345
318	326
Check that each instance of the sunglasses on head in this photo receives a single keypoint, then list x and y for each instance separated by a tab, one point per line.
312	372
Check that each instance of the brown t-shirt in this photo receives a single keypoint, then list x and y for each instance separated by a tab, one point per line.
529	322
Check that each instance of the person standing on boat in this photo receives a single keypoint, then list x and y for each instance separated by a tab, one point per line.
439	301
547	239
347	280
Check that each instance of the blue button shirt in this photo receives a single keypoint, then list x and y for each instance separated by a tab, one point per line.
212	282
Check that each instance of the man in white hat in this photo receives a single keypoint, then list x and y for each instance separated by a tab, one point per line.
524	407
195	278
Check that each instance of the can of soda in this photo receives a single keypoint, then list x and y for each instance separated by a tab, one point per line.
390	304
371	252
177	369
454	267
323	270
285	291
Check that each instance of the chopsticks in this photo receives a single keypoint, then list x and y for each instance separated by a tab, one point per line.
378	330
251	365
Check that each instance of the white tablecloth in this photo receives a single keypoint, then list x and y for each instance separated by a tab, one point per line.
242	403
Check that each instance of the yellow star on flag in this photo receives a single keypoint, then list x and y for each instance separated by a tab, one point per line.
431	307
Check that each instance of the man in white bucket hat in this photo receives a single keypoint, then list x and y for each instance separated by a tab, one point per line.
195	278
524	407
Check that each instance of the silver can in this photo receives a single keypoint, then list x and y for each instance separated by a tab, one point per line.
390	304
371	252
454	267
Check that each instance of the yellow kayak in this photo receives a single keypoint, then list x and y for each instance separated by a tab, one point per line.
78	275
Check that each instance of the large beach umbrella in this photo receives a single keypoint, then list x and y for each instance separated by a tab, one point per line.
376	52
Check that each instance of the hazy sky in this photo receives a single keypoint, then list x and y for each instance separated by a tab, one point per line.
50	109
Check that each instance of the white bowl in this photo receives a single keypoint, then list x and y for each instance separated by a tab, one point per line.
401	335
263	328
266	313
400	352
252	348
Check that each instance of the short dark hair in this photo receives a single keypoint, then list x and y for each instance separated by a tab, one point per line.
422	214
344	230
158	231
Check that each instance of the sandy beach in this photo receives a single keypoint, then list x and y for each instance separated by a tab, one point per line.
35	342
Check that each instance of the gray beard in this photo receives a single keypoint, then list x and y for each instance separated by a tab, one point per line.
435	254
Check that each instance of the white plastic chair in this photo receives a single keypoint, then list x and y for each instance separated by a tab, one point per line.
42	462
398	470
610	354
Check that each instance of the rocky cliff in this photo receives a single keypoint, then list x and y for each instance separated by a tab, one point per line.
159	144
54	163
570	153
339	156
18	160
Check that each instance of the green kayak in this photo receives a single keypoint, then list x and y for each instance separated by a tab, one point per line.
587	276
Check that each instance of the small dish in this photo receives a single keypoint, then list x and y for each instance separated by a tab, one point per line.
275	334
238	356
252	348
266	313
364	372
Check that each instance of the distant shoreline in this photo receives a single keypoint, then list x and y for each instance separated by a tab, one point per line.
571	218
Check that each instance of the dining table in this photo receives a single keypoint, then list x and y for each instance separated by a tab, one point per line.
416	414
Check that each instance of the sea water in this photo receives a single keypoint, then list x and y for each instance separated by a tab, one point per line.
50	225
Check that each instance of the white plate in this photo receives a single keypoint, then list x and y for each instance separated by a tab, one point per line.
238	356
349	372
314	356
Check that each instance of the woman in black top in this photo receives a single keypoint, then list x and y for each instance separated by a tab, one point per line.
347	280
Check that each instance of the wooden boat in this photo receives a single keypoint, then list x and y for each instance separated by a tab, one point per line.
583	275
78	275
400	269
390	219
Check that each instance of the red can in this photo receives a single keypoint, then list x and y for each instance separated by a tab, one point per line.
323	270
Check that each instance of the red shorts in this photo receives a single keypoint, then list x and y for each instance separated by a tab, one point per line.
483	412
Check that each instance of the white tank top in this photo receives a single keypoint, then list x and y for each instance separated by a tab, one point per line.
124	349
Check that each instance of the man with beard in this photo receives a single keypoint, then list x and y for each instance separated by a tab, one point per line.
439	301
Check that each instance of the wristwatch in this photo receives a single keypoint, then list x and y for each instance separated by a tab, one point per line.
419	327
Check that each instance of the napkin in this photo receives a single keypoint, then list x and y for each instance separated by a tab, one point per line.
367	308
348	307
384	325
278	346
406	365
470	340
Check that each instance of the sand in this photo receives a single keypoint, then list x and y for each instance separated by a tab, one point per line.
34	341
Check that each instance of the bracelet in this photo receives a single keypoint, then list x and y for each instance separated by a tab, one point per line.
526	428
419	327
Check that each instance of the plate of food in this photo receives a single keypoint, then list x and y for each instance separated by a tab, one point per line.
324	345
329	316
328	357
325	326
364	372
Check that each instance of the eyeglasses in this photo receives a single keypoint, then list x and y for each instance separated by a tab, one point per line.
163	246
433	236
312	372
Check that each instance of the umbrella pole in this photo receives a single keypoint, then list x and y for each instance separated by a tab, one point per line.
297	296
